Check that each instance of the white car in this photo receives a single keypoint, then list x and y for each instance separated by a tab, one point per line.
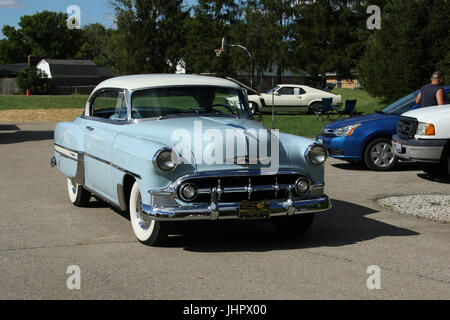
423	135
291	98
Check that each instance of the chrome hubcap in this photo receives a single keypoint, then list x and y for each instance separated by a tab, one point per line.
382	155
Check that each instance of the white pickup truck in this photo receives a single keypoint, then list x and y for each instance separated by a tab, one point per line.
423	135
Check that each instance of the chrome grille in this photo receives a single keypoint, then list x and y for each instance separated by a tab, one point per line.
246	187
406	128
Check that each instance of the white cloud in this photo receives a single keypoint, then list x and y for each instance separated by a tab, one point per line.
11	4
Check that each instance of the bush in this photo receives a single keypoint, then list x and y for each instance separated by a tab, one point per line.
35	80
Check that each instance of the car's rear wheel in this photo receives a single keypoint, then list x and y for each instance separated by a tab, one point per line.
296	225
149	233
379	155
77	194
314	108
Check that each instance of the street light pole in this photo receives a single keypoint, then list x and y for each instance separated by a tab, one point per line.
250	57
224	44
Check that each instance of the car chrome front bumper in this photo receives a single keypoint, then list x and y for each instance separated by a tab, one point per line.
221	211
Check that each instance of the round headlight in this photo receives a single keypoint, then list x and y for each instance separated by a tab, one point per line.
302	186
188	191
165	160
316	154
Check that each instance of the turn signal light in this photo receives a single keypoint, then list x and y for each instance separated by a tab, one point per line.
429	130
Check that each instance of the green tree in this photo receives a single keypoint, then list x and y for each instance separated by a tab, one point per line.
211	20
329	36
151	32
44	34
13	48
103	46
412	43
33	79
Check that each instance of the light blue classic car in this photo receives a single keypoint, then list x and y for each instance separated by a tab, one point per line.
182	147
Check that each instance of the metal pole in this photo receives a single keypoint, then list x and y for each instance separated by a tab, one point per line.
273	110
251	60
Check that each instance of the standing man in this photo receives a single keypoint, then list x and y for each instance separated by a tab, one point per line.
432	94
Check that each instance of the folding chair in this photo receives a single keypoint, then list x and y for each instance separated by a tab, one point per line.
327	106
350	109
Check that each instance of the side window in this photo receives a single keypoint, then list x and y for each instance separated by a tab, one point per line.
299	91
286	91
109	104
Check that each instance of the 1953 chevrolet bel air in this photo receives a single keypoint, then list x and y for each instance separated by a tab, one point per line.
183	147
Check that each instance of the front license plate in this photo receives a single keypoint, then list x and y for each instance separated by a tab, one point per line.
397	146
254	210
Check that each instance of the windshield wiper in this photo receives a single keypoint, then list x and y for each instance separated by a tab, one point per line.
176	115
380	112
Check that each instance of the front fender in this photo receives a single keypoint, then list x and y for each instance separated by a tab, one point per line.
296	147
135	155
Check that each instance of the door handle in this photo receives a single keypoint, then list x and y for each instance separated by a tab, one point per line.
90	128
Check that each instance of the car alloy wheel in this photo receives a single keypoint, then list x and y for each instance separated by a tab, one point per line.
379	155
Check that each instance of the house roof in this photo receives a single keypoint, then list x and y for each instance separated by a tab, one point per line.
72	68
11	69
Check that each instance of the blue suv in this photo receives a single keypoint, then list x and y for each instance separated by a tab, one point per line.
367	138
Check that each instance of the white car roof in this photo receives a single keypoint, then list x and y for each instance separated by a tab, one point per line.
157	80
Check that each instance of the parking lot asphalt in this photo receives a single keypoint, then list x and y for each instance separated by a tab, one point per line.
42	234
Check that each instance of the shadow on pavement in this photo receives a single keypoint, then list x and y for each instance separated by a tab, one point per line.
401	166
8	127
345	224
24	136
434	178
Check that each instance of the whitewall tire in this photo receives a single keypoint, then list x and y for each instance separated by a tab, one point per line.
148	233
77	194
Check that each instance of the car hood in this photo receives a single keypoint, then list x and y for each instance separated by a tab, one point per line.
361	119
429	114
171	132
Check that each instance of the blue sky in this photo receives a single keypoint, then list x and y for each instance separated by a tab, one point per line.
92	11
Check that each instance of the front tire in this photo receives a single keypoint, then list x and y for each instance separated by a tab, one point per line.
77	194
152	233
379	155
294	226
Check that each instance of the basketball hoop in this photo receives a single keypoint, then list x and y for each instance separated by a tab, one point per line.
218	52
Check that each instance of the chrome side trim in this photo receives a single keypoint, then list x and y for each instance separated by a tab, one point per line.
77	155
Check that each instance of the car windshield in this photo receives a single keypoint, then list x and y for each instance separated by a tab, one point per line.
402	105
273	90
189	101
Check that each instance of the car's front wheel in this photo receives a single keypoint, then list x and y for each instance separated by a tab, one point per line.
296	225
379	155
77	194
150	233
